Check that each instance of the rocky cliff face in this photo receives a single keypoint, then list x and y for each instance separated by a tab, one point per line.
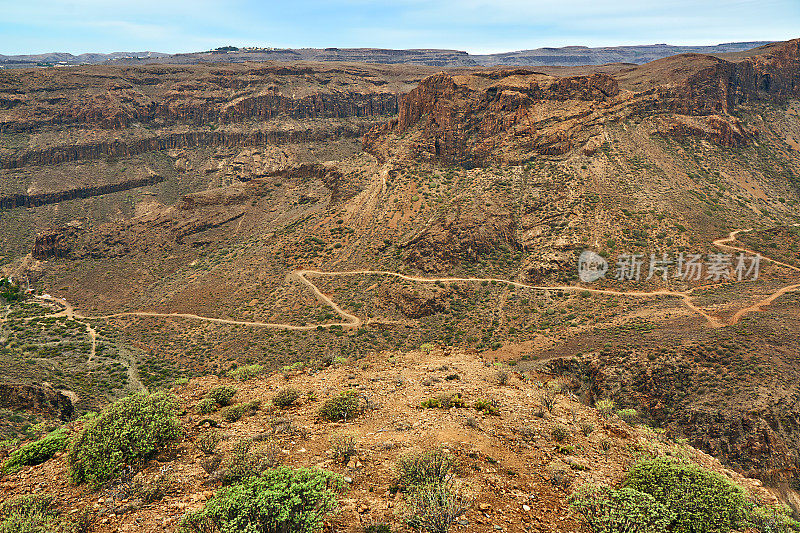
43	400
502	116
510	116
177	140
117	98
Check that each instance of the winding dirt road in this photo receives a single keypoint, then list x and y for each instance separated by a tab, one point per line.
352	321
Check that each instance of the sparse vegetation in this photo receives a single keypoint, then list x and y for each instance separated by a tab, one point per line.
425	468
244	373
487	406
344	406
343	446
435	507
559	433
285	397
222	394
208	442
248	459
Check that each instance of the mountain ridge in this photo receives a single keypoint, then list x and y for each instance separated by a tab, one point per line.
545	56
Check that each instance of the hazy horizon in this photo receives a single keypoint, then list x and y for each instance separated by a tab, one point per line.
474	26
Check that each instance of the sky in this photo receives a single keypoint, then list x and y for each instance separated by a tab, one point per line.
477	26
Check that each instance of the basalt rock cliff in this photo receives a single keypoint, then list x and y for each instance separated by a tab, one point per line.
512	116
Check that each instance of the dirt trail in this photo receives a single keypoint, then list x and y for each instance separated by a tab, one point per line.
353	321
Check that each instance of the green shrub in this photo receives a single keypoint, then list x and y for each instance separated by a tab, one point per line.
772	519
559	433
628	415
432	466
128	432
443	401
208	442
243	373
626	510
282	499
344	406
701	500
606	407
232	413
222	394
248	459
487	406
28	514
434	507
206	406
285	397
35	453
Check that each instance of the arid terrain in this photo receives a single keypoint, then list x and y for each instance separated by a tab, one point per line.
385	227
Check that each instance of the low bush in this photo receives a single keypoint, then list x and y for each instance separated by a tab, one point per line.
702	501
233	413
243	373
547	398
487	406
344	406
559	433
28	514
128	432
628	415
606	407
285	397
222	394
152	490
208	442
37	452
443	401
435	507
343	447
34	513
206	406
587	428
432	466
281	499
606	510
772	519
248	459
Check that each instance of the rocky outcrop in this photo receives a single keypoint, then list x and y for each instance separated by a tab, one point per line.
41	399
461	233
757	438
36	200
175	140
722	130
512	116
503	117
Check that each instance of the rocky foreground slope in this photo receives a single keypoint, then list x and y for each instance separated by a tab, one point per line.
517	464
